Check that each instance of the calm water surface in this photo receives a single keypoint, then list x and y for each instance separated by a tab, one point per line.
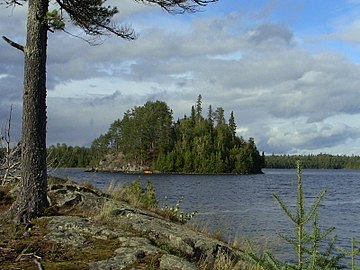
242	206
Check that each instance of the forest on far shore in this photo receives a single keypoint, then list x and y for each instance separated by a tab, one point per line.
83	157
320	161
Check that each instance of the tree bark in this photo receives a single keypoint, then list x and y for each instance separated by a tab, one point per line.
32	197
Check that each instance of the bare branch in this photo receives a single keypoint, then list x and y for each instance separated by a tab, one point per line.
39	264
7	130
10	163
14	2
179	6
14	44
91	42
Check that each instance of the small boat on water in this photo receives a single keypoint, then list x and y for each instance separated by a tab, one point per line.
147	172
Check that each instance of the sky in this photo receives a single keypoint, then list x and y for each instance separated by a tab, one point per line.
288	69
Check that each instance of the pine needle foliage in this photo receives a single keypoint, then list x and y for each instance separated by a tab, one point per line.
353	253
313	249
308	247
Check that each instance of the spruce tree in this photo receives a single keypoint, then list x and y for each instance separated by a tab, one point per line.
232	125
198	109
210	116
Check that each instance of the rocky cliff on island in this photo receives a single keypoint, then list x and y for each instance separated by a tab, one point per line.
116	162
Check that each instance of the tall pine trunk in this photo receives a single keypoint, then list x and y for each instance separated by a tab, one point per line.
32	197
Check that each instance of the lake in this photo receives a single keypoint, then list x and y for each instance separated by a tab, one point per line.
242	206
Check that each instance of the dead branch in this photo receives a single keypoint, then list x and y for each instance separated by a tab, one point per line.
10	3
179	6
38	263
10	164
22	253
7	132
14	44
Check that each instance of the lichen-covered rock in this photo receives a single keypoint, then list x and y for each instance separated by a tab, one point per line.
171	262
70	195
139	237
131	251
177	238
117	163
74	230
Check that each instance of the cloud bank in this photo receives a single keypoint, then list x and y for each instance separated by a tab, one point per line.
288	90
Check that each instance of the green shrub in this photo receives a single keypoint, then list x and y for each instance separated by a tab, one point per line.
139	196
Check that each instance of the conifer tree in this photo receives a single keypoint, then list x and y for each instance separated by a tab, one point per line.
232	125
193	116
219	116
198	109
210	116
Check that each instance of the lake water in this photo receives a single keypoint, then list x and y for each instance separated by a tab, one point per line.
242	206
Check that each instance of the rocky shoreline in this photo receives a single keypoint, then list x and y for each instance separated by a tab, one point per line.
112	235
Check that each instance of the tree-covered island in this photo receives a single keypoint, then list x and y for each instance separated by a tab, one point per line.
147	138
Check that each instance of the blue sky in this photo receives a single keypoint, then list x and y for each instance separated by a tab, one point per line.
288	69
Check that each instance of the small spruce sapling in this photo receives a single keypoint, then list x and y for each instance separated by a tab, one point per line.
307	245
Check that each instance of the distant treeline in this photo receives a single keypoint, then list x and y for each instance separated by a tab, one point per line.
64	156
320	161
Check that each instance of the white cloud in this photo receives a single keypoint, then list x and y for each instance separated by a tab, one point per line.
299	136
